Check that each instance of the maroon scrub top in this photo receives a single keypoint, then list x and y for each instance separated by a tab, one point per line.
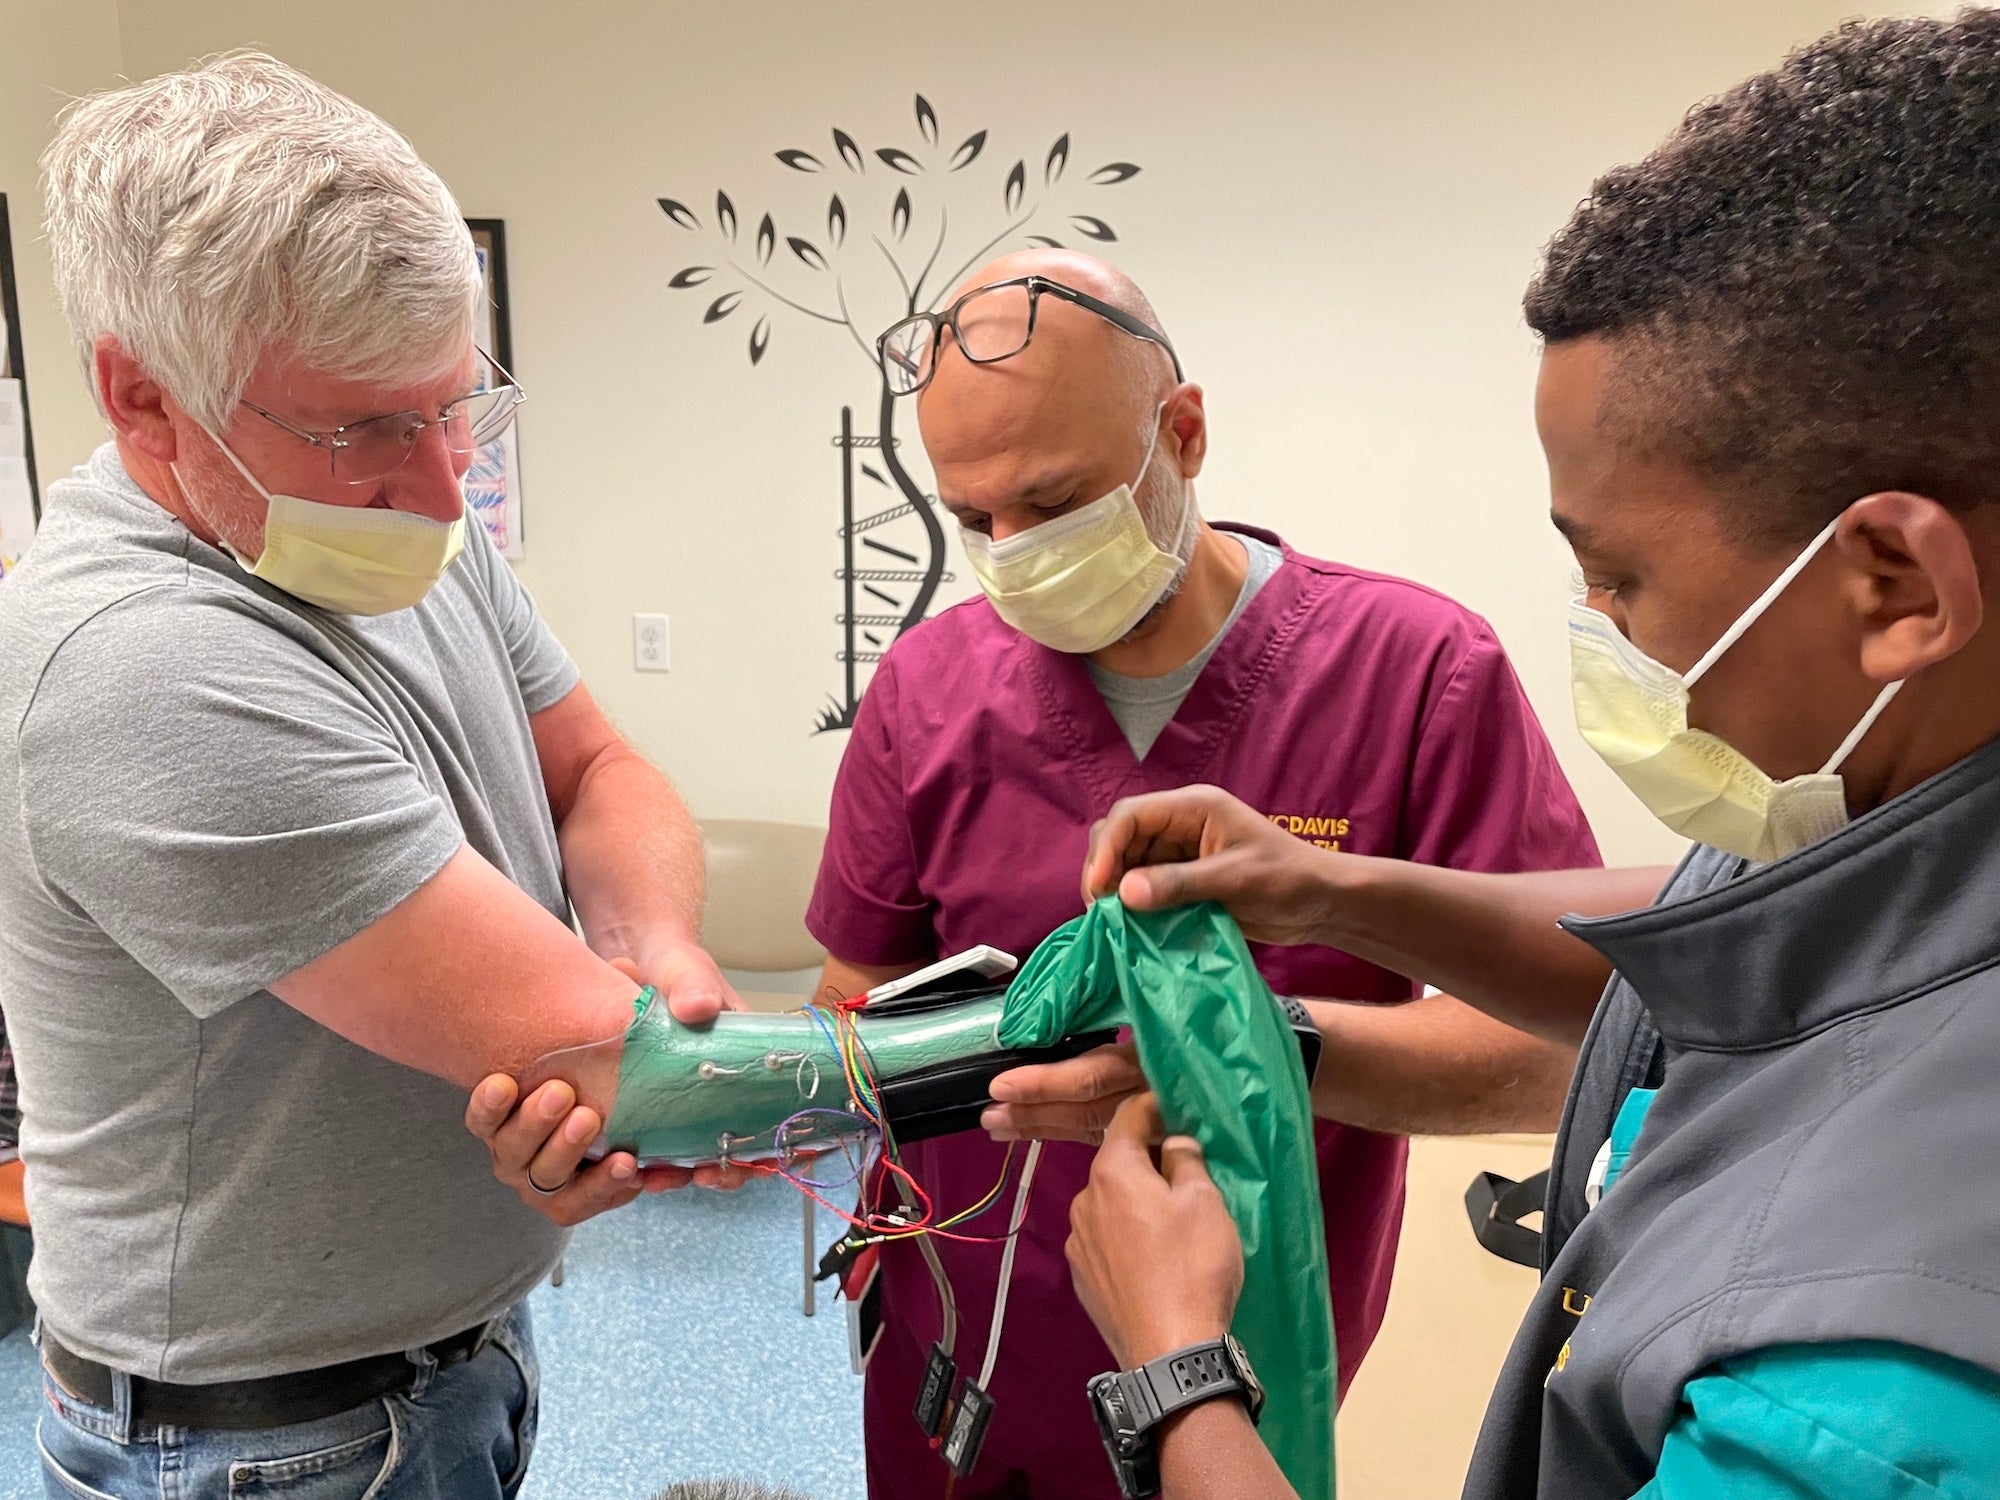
1360	712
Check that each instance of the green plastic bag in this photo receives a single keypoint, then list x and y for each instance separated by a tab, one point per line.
1217	1050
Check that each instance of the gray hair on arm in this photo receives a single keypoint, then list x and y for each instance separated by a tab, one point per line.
205	216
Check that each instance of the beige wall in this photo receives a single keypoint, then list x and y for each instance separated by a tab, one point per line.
48	53
1408	1424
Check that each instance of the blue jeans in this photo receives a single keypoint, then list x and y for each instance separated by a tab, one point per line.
462	1432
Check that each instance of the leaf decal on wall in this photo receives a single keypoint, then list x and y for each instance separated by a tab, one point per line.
725	214
968	153
807	251
927	119
1115	173
767	240
899	214
692	276
849	152
760	339
900	159
801	161
1017	184
680	213
836	222
722	307
1058	159
1044	240
1097	229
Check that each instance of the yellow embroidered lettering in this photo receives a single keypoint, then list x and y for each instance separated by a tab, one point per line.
1562	1360
1322	832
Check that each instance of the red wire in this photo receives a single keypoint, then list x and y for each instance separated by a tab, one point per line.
873	1230
872	1221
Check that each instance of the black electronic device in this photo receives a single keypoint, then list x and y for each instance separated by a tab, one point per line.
969	1420
934	1395
950	1098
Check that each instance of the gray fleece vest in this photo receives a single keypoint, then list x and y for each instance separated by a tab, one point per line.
1822	1161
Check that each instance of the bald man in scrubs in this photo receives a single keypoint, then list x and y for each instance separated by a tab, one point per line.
1123	645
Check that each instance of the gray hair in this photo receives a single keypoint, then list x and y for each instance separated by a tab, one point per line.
205	216
726	1489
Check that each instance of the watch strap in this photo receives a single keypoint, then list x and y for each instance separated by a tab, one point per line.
1130	1405
1307	1033
1187	1377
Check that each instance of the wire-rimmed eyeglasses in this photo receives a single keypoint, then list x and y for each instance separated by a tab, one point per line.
362	452
991	323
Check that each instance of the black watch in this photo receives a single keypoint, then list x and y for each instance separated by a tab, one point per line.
1307	1033
1130	1405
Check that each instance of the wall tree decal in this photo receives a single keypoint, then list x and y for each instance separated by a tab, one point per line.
914	207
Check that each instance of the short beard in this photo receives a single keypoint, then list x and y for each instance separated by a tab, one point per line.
1159	608
1180	578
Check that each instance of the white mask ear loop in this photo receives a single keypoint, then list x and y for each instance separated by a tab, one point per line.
254	482
1755	612
1187	507
1152	447
1882	701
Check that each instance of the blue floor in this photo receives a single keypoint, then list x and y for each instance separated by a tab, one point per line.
675	1350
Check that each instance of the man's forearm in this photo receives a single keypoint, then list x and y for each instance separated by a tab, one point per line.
467	976
1212	1452
1490	940
633	858
1435	1066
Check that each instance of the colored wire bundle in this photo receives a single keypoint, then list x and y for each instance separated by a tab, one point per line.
863	1120
916	1218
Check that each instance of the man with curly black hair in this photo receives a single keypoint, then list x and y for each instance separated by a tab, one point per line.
1770	400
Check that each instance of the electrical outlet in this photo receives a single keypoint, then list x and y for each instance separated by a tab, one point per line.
650	644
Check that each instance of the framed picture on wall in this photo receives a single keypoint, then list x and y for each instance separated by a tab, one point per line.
493	483
20	504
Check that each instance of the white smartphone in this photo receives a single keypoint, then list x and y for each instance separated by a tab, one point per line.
987	962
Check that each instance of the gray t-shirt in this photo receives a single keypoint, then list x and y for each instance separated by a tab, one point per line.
205	784
1143	706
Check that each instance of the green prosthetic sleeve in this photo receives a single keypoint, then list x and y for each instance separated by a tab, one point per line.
1217	1051
759	1087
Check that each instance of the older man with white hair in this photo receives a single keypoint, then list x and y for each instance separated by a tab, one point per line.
296	794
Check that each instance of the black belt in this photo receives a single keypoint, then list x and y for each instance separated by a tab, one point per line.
272	1401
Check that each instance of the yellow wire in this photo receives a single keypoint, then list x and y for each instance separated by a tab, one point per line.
848	1040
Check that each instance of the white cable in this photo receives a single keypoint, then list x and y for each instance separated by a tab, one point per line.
1007	1265
1762	602
947	1298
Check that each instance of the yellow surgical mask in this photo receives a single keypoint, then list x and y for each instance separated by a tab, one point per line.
1633	712
352	560
1083	581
